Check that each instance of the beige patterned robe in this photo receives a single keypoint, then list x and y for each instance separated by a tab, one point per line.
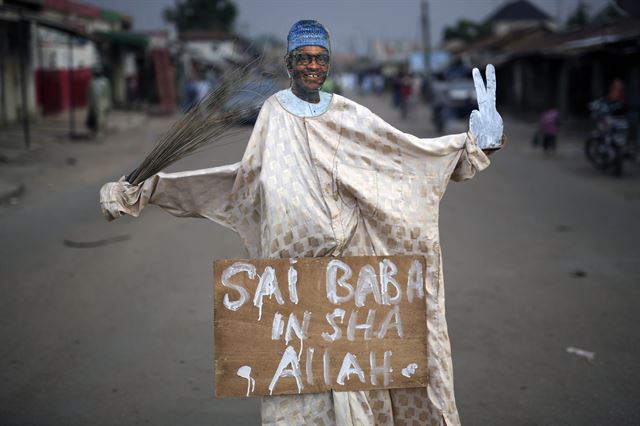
343	183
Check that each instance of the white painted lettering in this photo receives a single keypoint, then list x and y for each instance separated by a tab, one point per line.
384	327
367	283
337	333
278	327
385	369
350	366
245	373
367	326
243	293
288	358
292	281
301	330
267	286
409	370
293	325
333	281
387	270
309	365
415	281
325	367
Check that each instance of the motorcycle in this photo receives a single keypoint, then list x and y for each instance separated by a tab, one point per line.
608	144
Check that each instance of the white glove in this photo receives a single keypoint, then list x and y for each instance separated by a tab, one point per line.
486	124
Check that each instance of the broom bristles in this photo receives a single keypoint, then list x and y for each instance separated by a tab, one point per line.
203	125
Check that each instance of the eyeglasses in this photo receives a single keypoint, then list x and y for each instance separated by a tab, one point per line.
305	59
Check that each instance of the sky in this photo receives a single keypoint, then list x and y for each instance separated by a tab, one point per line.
351	23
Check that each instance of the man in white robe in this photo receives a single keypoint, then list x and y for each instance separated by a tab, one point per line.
324	176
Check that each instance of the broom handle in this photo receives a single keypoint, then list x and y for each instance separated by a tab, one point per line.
132	176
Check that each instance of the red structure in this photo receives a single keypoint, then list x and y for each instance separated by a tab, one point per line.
71	7
165	80
53	92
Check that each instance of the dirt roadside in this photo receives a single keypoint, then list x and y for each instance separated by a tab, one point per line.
56	160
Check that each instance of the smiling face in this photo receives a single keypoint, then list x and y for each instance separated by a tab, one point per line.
308	67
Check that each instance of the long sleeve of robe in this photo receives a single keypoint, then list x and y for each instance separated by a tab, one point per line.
344	183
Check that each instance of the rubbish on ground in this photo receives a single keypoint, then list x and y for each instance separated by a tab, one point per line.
97	243
578	273
581	352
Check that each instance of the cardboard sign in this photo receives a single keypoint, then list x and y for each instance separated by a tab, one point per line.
290	326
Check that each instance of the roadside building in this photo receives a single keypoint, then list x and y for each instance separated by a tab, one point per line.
518	15
539	67
513	22
17	87
64	58
49	48
206	55
214	48
575	67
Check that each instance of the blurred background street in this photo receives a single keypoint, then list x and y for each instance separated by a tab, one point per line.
111	323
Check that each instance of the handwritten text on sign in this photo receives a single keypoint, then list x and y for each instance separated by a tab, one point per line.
289	326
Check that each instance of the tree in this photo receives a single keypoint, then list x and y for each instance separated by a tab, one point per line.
210	15
579	18
466	30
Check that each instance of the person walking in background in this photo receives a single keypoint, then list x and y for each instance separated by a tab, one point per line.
616	98
99	103
196	88
395	90
549	128
189	94
133	95
416	86
406	88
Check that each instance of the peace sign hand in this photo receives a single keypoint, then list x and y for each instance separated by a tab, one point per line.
486	124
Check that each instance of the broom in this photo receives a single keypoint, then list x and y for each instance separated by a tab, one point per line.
203	125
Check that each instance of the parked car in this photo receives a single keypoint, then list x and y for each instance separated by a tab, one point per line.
453	95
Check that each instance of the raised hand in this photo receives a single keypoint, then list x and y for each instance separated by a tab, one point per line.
485	123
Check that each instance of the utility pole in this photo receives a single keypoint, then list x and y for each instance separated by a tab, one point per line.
72	119
426	42
559	13
24	79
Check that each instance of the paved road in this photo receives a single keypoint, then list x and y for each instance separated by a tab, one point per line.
540	255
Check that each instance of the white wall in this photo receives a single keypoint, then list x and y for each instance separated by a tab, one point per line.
52	51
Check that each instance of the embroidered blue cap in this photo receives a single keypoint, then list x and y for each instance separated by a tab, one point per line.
308	33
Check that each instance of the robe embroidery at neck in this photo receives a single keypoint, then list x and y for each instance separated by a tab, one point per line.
301	108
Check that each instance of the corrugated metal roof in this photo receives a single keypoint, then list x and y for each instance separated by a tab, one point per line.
502	42
600	35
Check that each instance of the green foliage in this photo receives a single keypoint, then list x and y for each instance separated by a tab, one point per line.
466	30
579	18
207	15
